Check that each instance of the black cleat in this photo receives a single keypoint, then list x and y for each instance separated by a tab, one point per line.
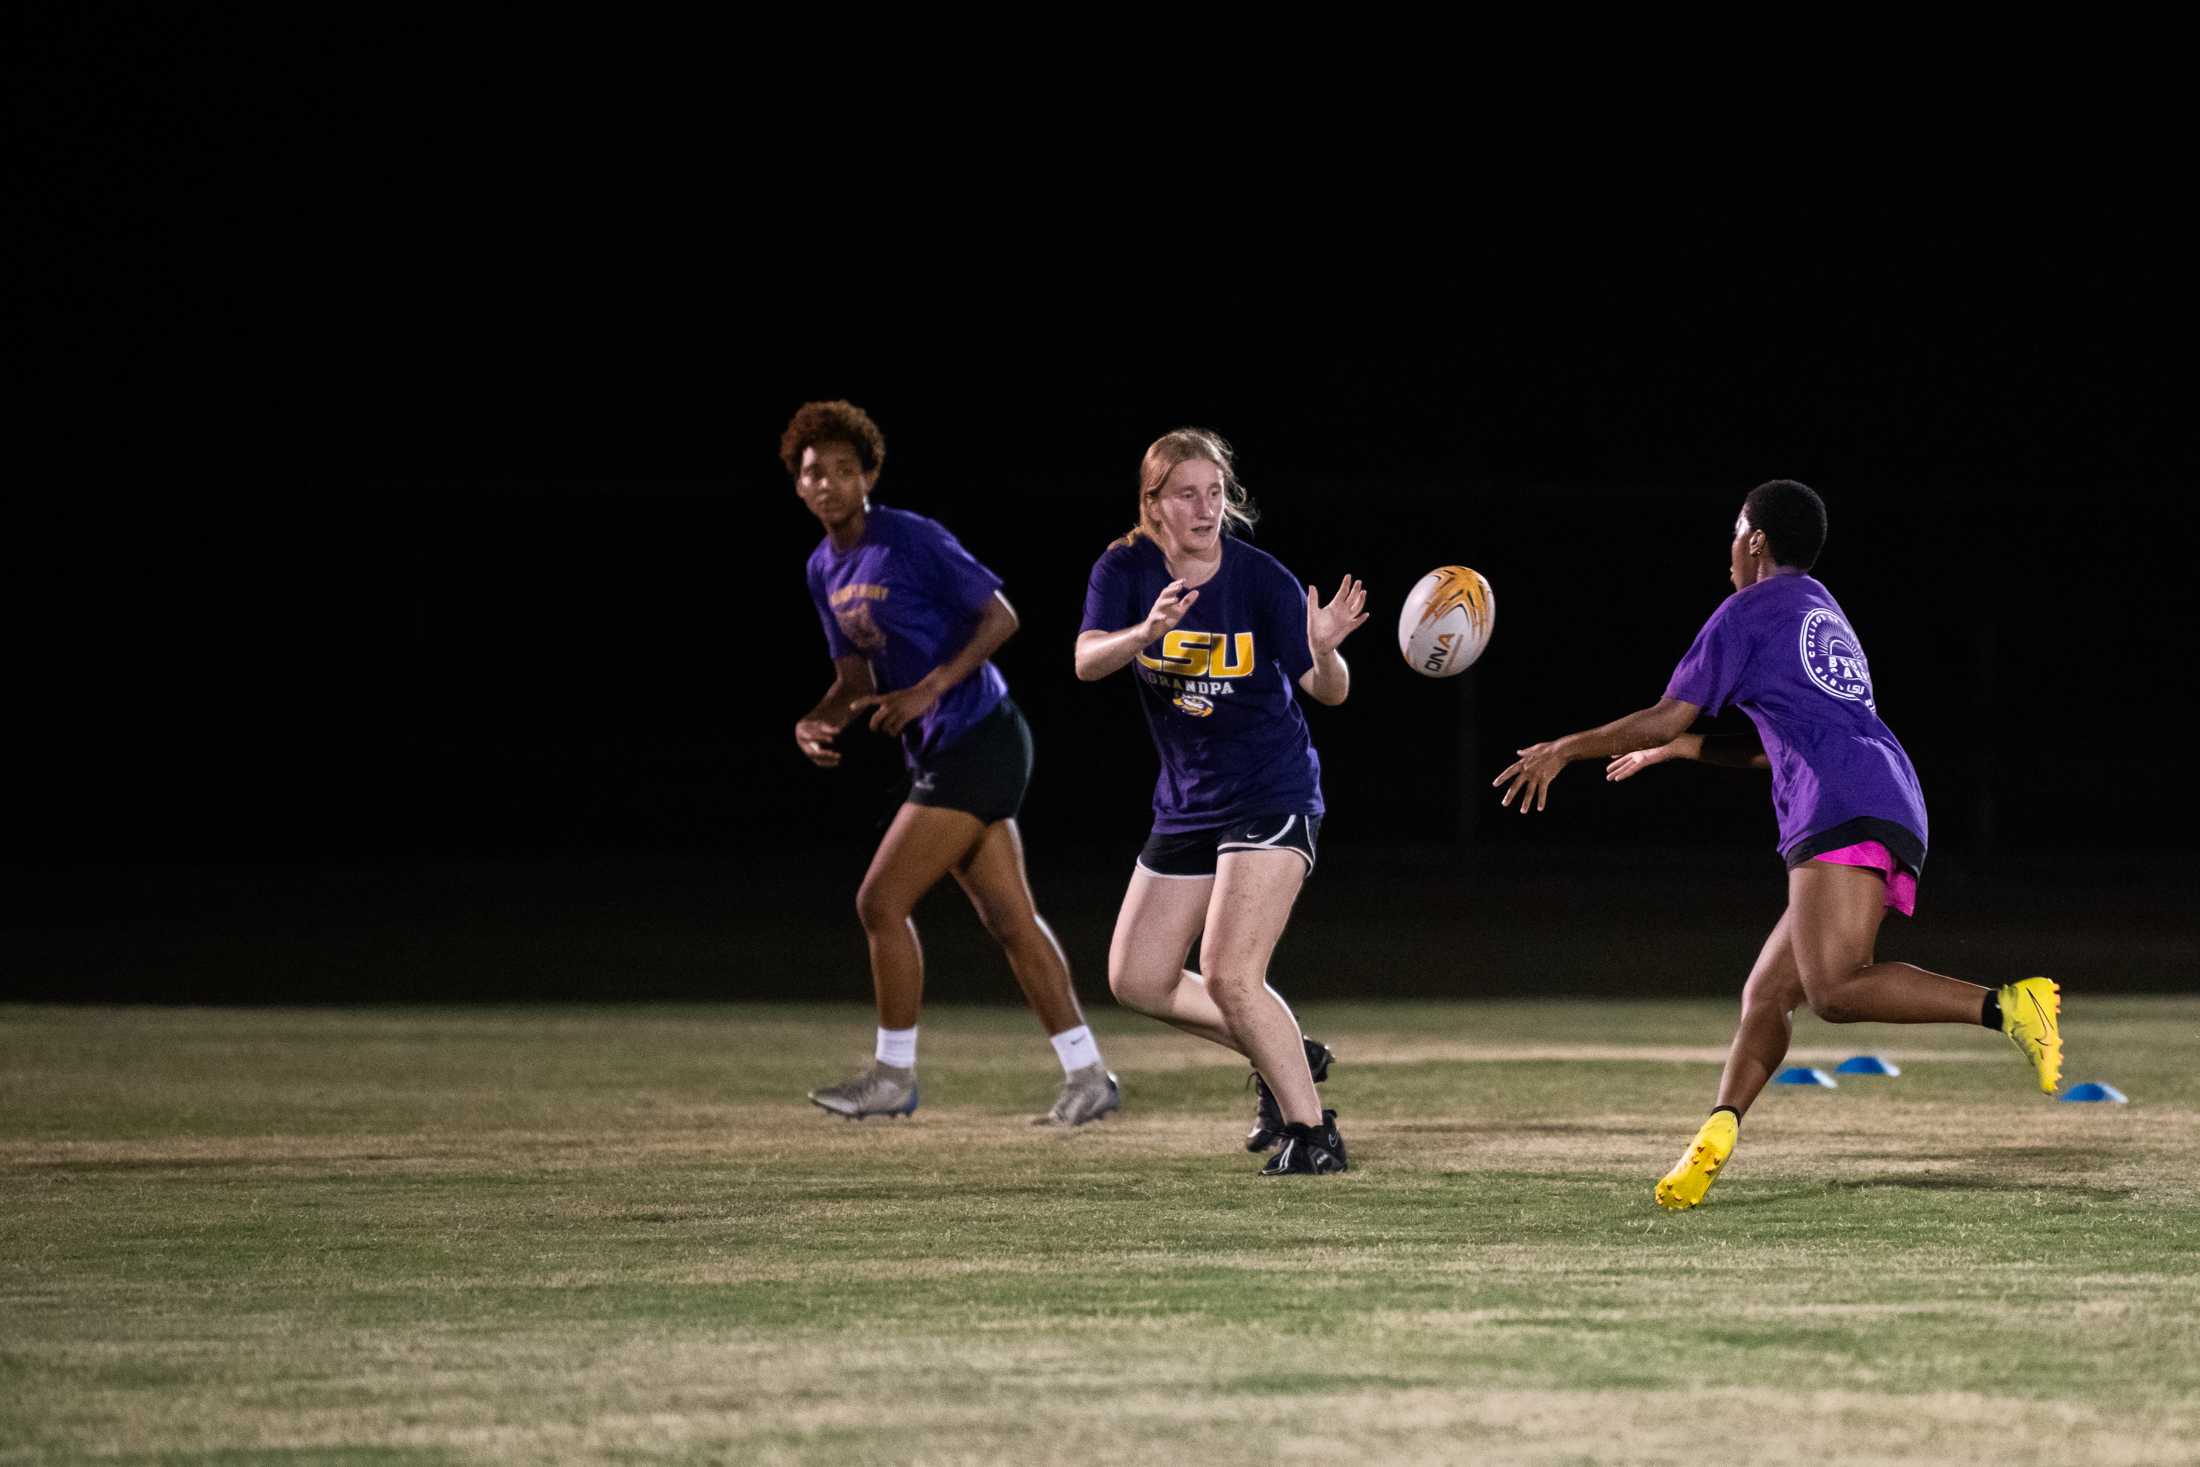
1309	1150
1267	1115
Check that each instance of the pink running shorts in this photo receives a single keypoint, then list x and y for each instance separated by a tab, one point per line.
1901	882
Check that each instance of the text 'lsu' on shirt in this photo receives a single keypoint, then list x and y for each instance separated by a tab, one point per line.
1220	689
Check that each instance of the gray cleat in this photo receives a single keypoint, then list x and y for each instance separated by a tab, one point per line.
1087	1095
881	1090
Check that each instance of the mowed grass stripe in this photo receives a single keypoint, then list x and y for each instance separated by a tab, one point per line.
618	1234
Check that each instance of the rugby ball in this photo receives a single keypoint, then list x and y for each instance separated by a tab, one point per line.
1446	621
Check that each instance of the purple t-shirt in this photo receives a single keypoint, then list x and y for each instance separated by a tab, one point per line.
908	597
1783	652
1220	691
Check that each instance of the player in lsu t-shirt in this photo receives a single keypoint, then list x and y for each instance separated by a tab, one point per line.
911	619
1851	813
1221	639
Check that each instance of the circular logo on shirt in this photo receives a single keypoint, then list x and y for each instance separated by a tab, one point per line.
1832	658
1193	704
858	627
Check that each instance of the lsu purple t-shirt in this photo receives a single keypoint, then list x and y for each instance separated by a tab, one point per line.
1220	690
1782	651
907	597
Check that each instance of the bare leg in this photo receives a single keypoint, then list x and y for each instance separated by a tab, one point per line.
993	877
923	844
1253	895
1768	1007
1161	919
1836	911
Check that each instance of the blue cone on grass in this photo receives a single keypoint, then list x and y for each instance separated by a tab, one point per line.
2094	1090
1802	1075
1866	1064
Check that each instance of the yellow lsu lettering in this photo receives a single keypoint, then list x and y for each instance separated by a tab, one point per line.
1203	654
858	591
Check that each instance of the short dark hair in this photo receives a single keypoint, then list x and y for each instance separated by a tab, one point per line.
1793	518
838	421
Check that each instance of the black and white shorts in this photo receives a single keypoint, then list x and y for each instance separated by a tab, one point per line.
1189	854
984	773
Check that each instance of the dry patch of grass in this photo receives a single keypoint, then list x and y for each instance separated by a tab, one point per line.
593	1235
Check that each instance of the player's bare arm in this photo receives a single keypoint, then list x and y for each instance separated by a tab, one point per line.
815	730
897	710
1529	777
1624	766
1741	751
1329	681
1727	751
1102	653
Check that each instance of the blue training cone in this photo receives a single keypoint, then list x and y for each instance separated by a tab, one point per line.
2094	1090
1866	1064
1800	1075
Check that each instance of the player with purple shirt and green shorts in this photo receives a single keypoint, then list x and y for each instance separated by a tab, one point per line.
911	619
1222	640
1852	817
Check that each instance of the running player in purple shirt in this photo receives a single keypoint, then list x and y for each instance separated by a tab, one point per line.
1222	639
1852	817
910	620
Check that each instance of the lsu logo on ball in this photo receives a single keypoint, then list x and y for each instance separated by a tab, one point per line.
1193	704
1203	654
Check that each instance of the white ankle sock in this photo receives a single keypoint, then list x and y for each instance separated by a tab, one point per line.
1076	1048
897	1047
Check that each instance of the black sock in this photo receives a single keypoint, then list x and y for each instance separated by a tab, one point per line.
1731	1111
1990	1013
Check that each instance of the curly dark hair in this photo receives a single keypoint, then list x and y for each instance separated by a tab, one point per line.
1793	518
838	421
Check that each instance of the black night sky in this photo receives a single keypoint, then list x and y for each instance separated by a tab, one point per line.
449	641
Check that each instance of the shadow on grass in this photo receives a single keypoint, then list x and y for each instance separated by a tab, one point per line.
1965	1182
2005	1155
102	1164
1510	1128
1934	1182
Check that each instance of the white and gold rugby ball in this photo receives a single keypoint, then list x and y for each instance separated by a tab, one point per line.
1446	621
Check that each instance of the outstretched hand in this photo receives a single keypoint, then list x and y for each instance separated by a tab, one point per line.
1625	766
1327	626
1531	775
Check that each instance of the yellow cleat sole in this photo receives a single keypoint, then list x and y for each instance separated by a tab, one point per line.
2031	1015
1684	1186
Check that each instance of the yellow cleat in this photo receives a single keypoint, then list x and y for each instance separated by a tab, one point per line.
2031	1015
1691	1177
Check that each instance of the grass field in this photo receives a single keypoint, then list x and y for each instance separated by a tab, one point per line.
619	1234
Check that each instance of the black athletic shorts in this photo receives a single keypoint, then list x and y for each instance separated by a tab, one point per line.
1192	853
985	772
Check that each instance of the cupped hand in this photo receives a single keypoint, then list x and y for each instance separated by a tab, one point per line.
1327	626
895	711
814	737
1168	609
